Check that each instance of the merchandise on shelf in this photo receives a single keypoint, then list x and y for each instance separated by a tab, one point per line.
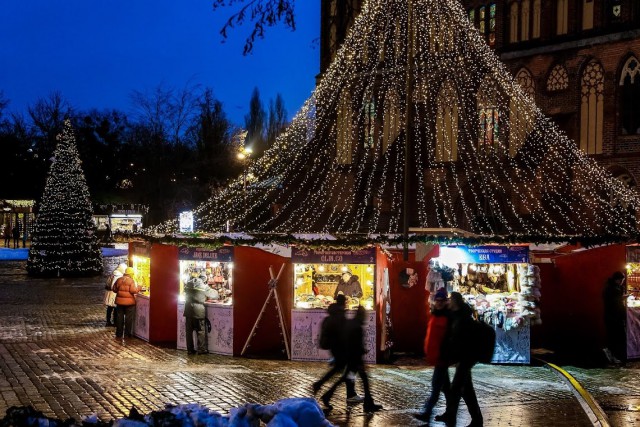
317	285
219	278
142	267
633	284
503	295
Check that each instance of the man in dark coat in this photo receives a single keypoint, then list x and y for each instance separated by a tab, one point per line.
458	348
354	342
196	292
335	329
348	285
615	318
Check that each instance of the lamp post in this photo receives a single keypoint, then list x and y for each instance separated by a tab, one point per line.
244	155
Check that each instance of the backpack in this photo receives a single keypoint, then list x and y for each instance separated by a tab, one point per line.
325	337
107	285
485	341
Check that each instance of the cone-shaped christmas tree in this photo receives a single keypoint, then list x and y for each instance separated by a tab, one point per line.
416	107
64	241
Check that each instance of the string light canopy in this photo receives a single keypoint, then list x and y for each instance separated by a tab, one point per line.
63	241
480	155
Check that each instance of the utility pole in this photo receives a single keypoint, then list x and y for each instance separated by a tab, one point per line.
408	140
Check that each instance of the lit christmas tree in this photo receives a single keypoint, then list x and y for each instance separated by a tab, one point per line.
416	106
64	241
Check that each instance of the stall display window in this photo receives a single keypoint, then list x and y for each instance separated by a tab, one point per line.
219	278
142	268
633	284
503	295
317	285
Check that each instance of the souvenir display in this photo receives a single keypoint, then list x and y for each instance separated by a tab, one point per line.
219	278
317	285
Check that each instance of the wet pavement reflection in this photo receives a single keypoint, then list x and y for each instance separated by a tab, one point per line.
57	355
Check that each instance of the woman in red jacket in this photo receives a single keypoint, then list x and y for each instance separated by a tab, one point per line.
436	330
125	289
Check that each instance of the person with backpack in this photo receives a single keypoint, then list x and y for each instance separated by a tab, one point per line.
196	292
460	347
354	339
436	332
110	295
331	339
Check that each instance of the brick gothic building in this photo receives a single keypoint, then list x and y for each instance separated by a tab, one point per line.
580	59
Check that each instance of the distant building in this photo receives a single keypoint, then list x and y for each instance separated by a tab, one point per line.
120	217
17	213
579	59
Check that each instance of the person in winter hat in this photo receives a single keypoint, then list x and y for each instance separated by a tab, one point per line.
110	296
126	289
349	285
196	292
436	332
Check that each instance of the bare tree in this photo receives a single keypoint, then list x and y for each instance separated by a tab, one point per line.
261	13
48	115
277	119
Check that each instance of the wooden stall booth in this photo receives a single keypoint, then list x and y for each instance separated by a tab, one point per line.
240	276
318	276
155	267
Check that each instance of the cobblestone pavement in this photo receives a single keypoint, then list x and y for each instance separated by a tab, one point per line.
56	355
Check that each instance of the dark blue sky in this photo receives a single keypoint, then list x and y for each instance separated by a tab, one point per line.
95	52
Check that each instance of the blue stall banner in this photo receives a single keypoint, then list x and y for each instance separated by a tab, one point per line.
494	254
224	254
337	256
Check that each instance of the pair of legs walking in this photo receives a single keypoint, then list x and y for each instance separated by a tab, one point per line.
462	387
369	405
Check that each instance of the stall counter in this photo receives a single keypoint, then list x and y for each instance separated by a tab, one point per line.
141	321
633	333
220	337
306	329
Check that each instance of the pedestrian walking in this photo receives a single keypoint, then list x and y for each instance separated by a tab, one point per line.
436	333
16	237
110	295
458	348
615	318
354	339
126	289
196	292
332	332
7	235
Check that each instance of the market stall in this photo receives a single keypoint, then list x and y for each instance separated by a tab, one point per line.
633	302
217	266
319	276
154	267
240	277
502	287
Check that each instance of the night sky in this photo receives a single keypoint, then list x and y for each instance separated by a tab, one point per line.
95	52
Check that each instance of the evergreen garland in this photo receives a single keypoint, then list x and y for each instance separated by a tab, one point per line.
64	241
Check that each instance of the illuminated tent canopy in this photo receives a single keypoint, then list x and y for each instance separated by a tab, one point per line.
481	156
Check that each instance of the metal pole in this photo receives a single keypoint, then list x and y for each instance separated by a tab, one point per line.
407	133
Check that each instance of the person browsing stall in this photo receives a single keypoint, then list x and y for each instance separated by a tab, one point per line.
196	292
126	290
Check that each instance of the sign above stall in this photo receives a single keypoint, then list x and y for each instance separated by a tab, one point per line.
489	254
224	254
337	256
141	249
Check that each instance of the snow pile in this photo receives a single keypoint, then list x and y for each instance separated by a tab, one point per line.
293	412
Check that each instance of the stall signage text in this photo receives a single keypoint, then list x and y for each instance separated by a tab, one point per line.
196	254
310	256
497	254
